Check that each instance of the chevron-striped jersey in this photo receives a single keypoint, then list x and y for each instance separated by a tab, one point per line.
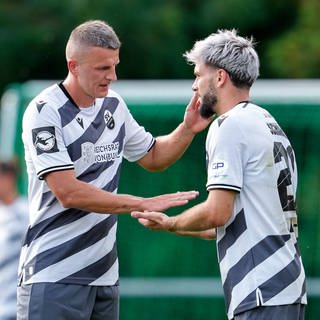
259	259
71	245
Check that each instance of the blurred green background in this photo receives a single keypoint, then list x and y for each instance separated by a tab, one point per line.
154	35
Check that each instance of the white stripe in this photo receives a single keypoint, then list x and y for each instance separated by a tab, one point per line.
109	276
257	276
76	262
233	254
294	287
70	231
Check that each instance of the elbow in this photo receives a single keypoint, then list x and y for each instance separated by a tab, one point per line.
218	218
155	167
220	222
66	199
222	219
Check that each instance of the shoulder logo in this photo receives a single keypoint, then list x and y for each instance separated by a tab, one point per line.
40	104
44	140
80	121
221	119
108	118
219	168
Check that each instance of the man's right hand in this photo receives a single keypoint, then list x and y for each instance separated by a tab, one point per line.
166	201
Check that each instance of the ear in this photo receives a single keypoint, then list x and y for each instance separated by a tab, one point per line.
72	67
222	77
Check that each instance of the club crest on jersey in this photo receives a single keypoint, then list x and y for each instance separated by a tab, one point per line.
108	118
219	168
44	140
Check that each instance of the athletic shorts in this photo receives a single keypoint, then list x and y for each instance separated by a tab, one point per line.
54	301
285	312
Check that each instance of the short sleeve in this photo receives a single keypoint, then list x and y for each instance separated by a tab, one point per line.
138	141
43	139
225	151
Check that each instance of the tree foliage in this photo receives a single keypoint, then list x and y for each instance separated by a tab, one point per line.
154	34
296	54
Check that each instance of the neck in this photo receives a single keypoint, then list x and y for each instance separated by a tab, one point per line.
230	99
79	98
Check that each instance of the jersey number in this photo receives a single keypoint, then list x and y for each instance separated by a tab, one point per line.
284	180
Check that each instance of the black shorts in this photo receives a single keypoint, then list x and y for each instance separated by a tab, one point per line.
54	301
284	312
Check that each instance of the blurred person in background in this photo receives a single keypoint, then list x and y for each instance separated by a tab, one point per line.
13	226
76	134
251	183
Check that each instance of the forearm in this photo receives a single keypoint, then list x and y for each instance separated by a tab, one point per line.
89	198
195	219
209	234
73	193
212	213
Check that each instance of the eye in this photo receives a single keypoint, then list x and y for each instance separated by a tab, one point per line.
104	68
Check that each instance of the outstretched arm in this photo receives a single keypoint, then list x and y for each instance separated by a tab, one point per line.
213	212
209	234
73	193
169	148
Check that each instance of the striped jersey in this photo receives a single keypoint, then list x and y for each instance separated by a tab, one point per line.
71	245
258	254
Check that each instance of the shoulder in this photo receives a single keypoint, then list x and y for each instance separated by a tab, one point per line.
114	94
243	116
46	103
116	104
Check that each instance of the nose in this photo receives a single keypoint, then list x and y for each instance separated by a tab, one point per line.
112	75
195	85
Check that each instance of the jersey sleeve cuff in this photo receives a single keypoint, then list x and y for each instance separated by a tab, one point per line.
41	174
213	186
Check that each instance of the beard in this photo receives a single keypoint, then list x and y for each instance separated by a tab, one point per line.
209	101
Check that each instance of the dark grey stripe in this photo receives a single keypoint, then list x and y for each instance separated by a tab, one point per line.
112	185
56	221
47	199
95	130
282	279
71	247
94	270
68	112
256	255
275	285
96	169
233	232
69	215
